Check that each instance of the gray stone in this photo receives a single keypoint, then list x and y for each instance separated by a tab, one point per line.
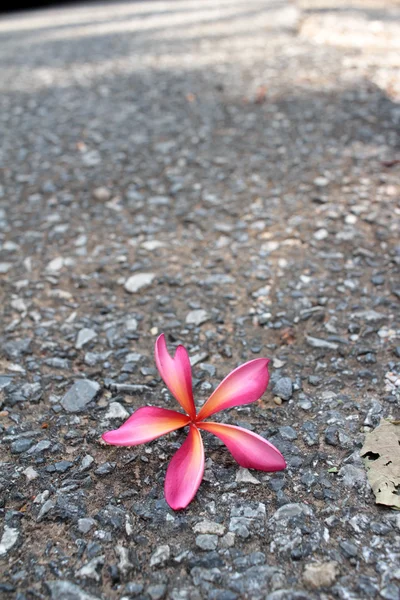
5	381
127	388
349	549
124	563
17	348
318	343
390	592
92	358
21	445
369	315
135	283
207	541
244	476
151	245
320	234
157	591
41	446
353	476
321	181
91	569
46	508
219	279
283	388
160	556
134	588
116	411
287	433
209	527
310	433
304	402
55	265
80	395
5	267
30	474
197	317
86	463
198	358
66	590
292	510
320	575
85	336
131	324
246	518
57	363
105	469
8	539
85	524
102	194
61	466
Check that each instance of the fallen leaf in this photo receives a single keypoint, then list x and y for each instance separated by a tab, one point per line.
381	453
260	94
391	163
288	336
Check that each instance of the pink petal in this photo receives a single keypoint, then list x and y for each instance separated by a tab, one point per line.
245	384
185	471
176	373
247	448
146	424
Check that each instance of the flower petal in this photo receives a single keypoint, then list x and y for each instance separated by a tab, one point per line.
176	373
185	471
146	424
245	384
247	448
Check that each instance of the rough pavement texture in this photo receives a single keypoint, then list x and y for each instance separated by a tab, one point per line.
237	159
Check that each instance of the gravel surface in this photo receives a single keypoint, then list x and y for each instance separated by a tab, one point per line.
226	173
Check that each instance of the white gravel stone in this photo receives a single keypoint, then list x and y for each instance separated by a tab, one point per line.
55	265
321	182
209	527
90	569
369	315
65	590
320	575
244	476
85	524
102	194
197	317
320	234
151	245
131	324
116	411
84	337
19	305
30	473
228	540
5	267
318	343
8	539
138	282
160	556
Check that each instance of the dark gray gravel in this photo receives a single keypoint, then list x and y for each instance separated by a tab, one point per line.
227	173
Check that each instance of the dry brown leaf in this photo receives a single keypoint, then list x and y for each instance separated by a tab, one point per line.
381	453
260	94
288	335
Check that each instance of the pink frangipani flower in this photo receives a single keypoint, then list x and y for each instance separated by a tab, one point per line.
185	472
